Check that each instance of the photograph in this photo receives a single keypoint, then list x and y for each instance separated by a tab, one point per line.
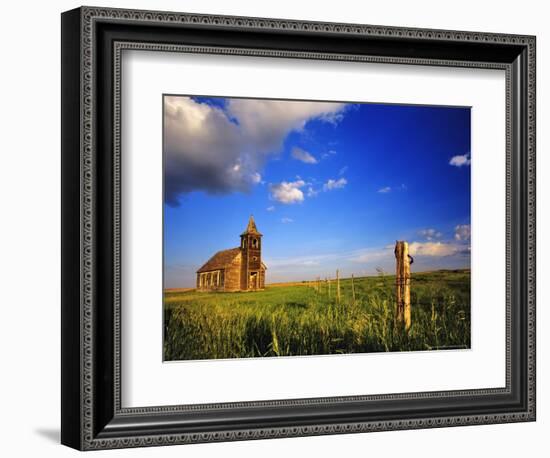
304	227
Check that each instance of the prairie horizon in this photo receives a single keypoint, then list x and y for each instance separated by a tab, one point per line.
304	282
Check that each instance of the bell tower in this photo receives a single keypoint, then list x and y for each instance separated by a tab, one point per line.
251	248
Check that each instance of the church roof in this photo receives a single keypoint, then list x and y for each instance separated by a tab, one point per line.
220	260
251	227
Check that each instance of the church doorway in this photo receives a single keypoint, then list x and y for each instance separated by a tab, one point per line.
253	281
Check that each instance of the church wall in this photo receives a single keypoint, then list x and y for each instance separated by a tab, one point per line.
262	279
233	275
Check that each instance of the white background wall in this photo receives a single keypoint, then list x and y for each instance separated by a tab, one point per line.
30	240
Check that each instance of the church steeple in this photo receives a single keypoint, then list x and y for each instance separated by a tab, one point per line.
251	227
251	252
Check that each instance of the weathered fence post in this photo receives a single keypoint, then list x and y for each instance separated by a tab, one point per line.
352	289
403	285
328	285
337	286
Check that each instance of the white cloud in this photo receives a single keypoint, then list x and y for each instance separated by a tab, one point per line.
460	160
384	190
271	208
267	122
312	192
286	220
288	192
335	184
430	234
462	232
438	249
256	178
303	156
328	153
224	149
343	170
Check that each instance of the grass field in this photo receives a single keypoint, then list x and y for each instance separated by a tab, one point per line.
291	320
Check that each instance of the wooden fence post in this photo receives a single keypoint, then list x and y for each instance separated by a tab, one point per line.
337	286
328	284
352	289
403	285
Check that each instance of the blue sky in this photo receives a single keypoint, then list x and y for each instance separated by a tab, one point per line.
330	185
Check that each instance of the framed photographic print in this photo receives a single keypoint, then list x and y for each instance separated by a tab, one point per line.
277	228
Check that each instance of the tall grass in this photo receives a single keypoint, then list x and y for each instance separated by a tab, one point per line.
300	320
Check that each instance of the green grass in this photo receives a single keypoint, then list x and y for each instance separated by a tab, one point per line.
298	320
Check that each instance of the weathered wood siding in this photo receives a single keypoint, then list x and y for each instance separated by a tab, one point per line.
251	246
262	278
233	275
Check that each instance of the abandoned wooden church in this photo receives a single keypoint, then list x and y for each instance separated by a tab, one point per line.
236	269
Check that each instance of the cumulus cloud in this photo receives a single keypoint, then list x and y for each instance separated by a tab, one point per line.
343	170
460	160
462	232
286	220
430	234
303	156
384	190
431	249
222	150
288	192
271	208
438	249
335	184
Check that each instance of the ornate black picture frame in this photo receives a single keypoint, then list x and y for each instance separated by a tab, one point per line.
92	42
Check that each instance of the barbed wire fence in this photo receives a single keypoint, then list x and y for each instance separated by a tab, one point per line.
348	290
